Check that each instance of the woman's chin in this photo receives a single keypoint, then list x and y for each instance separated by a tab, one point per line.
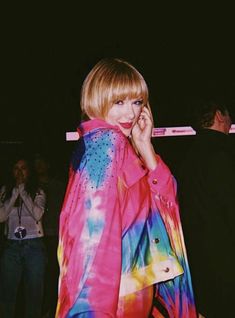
126	132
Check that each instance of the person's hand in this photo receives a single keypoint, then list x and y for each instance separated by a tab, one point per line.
141	135
15	192
142	130
21	187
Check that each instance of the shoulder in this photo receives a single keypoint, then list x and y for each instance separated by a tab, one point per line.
105	137
99	147
104	142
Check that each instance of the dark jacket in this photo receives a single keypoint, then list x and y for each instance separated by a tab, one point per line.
207	202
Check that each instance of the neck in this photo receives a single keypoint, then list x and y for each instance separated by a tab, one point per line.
220	128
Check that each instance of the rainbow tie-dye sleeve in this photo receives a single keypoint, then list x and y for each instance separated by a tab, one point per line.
175	296
89	249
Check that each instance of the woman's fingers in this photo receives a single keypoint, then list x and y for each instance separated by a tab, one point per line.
145	118
145	114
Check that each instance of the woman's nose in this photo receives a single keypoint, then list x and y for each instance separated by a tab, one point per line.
130	111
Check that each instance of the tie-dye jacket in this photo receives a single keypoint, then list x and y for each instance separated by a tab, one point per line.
120	229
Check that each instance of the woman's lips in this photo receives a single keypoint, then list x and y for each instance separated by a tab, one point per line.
126	125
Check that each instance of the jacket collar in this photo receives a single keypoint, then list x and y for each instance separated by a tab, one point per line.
93	124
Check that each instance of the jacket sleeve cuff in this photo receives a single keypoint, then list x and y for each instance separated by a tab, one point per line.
161	180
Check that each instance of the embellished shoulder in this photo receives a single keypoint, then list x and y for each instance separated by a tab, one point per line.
98	145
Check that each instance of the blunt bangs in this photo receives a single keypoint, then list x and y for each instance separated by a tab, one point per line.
108	82
127	86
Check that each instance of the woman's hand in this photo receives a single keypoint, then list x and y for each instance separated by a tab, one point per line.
21	187
142	130
141	135
15	192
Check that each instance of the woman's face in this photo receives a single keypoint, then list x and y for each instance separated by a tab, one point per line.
124	114
20	171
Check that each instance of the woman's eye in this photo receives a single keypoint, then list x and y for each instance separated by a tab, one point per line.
139	102
119	102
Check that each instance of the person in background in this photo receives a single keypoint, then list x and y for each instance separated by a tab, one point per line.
2	172
23	259
54	190
121	248
207	202
2	181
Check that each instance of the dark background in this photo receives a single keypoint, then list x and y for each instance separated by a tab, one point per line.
184	52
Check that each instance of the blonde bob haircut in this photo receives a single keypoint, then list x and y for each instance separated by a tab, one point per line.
110	80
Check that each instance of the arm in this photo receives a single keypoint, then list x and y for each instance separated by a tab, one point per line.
160	178
90	230
6	207
178	291
36	206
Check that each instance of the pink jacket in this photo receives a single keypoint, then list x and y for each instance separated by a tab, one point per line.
120	229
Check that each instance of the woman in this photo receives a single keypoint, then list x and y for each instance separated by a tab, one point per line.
21	208
120	232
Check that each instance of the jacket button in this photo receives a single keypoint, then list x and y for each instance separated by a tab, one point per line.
154	181
166	270
156	240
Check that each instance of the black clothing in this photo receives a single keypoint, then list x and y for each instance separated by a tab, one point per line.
207	202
